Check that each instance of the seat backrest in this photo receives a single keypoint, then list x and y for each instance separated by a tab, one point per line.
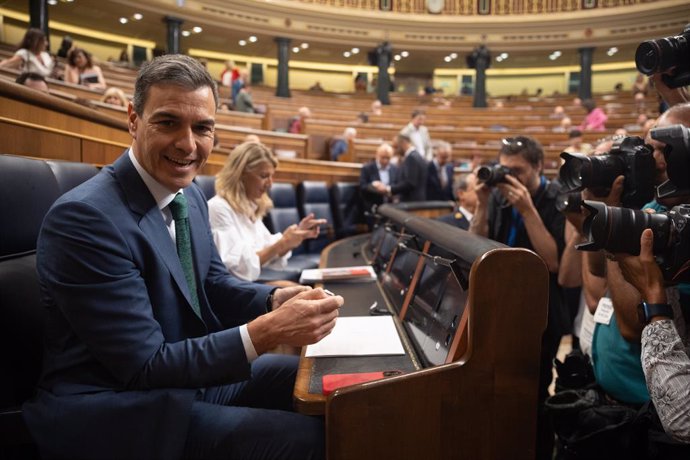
313	197
346	207
284	212
207	184
22	320
28	188
69	174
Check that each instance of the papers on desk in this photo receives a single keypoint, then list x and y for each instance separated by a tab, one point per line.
358	273
359	336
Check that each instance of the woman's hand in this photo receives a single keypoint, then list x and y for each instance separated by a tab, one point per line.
311	225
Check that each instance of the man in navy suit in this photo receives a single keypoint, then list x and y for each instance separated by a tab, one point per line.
145	356
439	179
379	170
411	184
466	196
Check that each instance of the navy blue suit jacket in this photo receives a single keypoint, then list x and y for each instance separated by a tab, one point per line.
370	173
125	353
434	190
411	185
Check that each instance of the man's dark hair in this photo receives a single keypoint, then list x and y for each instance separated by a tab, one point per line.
416	113
528	148
171	69
21	79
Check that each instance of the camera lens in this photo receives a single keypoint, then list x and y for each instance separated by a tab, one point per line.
581	171
492	175
619	229
656	56
568	201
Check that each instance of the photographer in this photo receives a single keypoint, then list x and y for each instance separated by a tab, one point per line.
520	211
665	357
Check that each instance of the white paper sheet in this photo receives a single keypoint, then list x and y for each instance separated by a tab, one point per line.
359	336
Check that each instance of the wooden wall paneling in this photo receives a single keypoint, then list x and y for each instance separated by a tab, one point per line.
33	142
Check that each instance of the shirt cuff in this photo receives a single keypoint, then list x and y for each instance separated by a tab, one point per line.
249	349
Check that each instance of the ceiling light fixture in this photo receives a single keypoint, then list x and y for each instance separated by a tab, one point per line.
354	50
52	2
242	42
197	29
295	49
304	46
123	20
346	54
453	55
138	16
186	33
397	57
253	39
404	53
447	59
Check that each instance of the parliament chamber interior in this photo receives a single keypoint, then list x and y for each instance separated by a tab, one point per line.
488	322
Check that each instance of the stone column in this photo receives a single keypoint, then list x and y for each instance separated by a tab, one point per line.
38	16
174	31
585	91
482	60
283	86
383	61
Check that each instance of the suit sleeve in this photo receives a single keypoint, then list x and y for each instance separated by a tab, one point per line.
411	176
94	275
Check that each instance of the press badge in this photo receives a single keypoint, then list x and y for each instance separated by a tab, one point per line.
604	311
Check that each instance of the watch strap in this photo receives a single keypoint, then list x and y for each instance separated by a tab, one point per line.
650	310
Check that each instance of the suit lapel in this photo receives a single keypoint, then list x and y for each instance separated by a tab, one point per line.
140	201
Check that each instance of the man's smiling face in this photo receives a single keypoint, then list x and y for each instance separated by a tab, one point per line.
173	137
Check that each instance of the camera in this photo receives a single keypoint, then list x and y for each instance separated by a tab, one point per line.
492	175
568	201
630	157
619	230
677	155
657	56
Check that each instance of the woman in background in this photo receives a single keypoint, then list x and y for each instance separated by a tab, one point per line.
32	57
115	96
80	70
236	212
595	120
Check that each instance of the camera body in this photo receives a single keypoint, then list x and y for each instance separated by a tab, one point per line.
492	175
619	230
663	54
630	157
677	155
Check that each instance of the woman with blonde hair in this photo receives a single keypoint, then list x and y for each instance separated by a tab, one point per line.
236	212
115	96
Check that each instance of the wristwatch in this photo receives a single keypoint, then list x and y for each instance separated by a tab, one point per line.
646	311
269	301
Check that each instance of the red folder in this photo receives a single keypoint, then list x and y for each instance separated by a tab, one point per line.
332	382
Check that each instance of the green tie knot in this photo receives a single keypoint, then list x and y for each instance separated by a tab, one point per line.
178	207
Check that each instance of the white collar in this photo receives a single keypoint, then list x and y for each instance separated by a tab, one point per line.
160	193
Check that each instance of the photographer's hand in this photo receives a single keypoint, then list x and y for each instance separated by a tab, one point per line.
614	196
517	195
643	272
672	96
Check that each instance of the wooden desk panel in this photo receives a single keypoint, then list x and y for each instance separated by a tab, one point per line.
483	405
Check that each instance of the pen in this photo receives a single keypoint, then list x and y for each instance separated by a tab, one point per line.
328	292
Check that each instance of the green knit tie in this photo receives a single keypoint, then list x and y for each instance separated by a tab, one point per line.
178	208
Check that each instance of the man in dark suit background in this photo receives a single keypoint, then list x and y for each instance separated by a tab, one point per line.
466	197
411	184
379	170
439	180
151	354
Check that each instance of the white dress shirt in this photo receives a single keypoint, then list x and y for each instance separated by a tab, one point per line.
238	240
